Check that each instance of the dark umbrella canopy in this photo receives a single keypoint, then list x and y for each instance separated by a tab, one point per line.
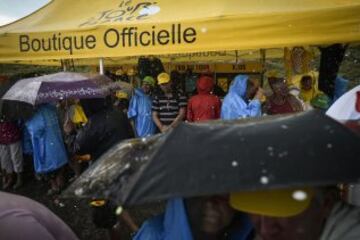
225	156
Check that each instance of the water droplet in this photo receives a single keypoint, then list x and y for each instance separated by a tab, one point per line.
299	195
234	163
271	154
119	210
127	166
79	191
204	30
270	148
283	154
284	126
264	180
329	145
143	139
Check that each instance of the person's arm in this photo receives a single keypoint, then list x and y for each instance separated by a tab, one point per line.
155	117
217	108
126	217
182	111
189	113
179	118
155	108
254	107
295	104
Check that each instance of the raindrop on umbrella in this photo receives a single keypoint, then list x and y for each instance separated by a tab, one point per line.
270	149
79	191
264	180
234	163
299	195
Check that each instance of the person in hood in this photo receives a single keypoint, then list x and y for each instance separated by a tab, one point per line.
140	109
204	105
299	213
22	218
197	219
243	99
49	153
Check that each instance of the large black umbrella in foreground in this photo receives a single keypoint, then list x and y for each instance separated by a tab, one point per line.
225	156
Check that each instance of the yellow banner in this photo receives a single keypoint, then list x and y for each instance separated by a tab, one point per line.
68	29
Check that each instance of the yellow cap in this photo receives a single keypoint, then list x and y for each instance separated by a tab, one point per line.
131	72
272	74
119	72
163	78
274	203
121	95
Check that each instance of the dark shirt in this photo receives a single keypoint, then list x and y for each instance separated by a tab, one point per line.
168	107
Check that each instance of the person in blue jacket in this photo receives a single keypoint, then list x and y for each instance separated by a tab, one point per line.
242	100
49	154
197	218
140	109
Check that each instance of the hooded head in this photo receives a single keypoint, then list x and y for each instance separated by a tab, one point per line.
239	85
205	85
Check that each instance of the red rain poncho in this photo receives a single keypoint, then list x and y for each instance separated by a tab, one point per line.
204	105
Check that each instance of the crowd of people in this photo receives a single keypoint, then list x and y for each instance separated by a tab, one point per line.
76	132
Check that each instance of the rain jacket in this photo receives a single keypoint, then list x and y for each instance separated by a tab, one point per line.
47	144
341	85
307	95
140	111
174	225
203	106
343	223
234	105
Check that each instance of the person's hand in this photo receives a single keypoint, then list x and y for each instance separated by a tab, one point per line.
68	127
260	94
164	128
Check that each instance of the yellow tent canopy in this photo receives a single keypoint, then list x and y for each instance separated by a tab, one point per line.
66	29
234	57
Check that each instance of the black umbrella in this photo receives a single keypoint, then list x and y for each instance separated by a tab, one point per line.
225	156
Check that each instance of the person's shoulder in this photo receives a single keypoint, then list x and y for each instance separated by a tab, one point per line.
151	228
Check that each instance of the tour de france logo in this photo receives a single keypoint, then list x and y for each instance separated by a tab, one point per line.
126	11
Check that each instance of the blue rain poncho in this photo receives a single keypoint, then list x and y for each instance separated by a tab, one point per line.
234	105
140	112
341	85
47	144
174	225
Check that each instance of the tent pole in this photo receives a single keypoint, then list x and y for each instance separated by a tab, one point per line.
101	66
63	65
262	60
